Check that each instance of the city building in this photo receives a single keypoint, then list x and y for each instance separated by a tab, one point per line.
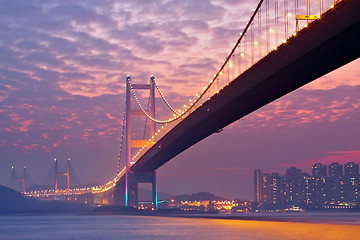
338	186
335	183
257	185
351	182
351	169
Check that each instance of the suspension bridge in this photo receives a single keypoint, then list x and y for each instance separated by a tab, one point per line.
284	45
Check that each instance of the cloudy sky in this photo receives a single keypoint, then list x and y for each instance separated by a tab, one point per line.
62	81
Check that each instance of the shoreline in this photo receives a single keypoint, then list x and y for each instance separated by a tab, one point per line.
320	219
335	218
344	218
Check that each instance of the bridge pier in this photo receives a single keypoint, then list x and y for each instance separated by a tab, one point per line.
133	180
132	198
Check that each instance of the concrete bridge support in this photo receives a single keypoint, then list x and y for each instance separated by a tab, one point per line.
134	179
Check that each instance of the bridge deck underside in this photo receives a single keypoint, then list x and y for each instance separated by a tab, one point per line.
323	46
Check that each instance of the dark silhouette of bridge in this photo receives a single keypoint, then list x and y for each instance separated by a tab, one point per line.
266	71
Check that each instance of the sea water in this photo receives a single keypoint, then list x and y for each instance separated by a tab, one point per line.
266	226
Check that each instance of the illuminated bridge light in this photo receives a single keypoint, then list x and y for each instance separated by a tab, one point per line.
199	100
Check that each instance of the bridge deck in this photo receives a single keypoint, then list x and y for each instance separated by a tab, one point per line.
326	44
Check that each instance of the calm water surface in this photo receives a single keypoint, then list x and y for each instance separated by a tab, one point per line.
344	226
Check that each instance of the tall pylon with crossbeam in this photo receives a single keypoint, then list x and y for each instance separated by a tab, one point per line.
133	179
21	180
66	174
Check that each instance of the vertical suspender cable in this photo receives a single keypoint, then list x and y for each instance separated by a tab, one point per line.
252	43
121	140
286	19
267	27
259	33
276	22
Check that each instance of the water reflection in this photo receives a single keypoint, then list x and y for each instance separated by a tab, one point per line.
139	227
288	230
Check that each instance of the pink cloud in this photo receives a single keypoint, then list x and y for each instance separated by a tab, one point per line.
327	158
14	117
25	125
64	126
304	107
45	135
46	149
109	116
31	147
57	144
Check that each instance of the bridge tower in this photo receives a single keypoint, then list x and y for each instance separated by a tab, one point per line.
133	179
66	174
22	179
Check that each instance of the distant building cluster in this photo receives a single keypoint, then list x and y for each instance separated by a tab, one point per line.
211	206
207	202
332	186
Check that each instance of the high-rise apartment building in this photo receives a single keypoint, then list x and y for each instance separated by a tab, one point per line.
257	185
351	169
319	170
335	183
277	189
335	170
351	182
320	195
300	189
265	188
294	186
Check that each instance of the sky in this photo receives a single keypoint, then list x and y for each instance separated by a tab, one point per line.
63	66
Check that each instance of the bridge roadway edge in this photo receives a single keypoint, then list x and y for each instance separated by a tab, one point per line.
331	46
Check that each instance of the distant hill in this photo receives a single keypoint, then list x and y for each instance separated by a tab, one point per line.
146	195
200	196
37	187
14	202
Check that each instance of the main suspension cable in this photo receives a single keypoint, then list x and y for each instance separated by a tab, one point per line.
121	139
163	98
177	115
